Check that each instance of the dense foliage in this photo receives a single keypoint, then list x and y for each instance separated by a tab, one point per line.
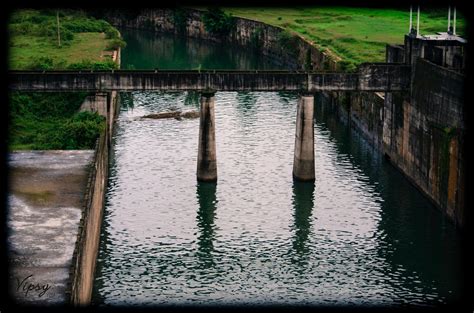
52	121
44	23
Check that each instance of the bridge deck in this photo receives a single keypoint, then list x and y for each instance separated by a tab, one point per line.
369	77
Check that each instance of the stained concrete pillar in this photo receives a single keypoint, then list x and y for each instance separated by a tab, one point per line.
303	164
206	165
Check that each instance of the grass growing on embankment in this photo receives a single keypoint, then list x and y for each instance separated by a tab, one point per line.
354	35
51	120
85	41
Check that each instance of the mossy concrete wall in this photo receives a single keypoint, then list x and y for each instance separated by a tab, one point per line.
424	132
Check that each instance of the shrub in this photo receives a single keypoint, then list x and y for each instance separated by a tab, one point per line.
288	41
97	66
24	28
42	63
112	33
116	43
82	25
50	29
217	22
180	18
256	38
82	130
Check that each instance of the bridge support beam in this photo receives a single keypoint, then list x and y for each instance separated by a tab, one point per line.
303	164
206	165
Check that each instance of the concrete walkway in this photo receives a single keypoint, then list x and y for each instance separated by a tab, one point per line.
45	202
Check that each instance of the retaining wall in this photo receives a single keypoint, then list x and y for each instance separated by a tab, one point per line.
295	53
82	271
424	132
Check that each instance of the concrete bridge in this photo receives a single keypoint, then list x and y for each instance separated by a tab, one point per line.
369	77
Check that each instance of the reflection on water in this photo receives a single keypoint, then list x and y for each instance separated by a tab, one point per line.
147	50
303	203
360	234
206	195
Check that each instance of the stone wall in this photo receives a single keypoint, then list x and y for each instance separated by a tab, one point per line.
268	40
421	131
423	135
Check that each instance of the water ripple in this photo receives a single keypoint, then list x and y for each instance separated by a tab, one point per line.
256	236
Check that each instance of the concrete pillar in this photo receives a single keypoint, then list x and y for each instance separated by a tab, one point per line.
206	165
303	164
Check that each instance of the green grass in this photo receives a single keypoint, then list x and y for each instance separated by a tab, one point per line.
354	35
26	49
51	120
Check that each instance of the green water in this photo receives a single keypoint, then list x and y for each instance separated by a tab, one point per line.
361	234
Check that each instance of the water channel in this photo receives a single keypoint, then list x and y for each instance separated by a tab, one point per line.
361	234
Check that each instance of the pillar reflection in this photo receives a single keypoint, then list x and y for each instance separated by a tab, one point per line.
303	203
206	196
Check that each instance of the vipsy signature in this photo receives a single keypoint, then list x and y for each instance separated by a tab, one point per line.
27	286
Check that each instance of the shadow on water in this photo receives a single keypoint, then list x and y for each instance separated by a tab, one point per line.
206	196
408	219
303	203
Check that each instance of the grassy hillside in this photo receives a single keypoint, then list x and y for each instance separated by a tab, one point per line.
353	34
85	41
51	120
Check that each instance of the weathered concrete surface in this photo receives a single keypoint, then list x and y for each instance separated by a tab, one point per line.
96	102
87	244
45	203
424	135
303	163
207	160
421	131
370	77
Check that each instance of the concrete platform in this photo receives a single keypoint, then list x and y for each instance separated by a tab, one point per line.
45	202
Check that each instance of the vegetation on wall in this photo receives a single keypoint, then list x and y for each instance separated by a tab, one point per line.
307	63
180	18
218	22
288	42
256	38
446	135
